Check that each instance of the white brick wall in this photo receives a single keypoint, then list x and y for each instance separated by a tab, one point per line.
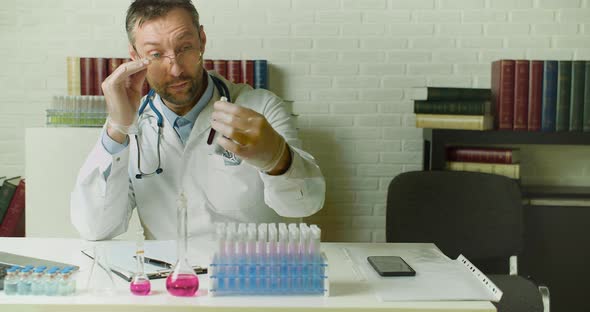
347	64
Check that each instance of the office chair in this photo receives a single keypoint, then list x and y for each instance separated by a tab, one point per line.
475	214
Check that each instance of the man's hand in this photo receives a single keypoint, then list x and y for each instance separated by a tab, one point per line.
122	92
248	134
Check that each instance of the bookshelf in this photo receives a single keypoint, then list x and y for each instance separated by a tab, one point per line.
556	218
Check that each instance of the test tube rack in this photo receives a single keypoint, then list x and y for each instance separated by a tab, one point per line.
245	266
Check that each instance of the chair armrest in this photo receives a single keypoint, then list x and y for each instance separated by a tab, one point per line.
544	290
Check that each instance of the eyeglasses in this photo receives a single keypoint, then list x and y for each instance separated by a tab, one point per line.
180	57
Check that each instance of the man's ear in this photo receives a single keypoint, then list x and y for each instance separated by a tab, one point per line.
202	38
133	52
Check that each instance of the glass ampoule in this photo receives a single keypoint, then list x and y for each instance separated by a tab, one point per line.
38	281
182	282
140	283
11	281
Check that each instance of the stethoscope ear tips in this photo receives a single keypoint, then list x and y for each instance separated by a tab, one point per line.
138	176
159	170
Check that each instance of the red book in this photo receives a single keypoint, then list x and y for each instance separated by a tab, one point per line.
234	71
535	96
208	64
503	93
483	155
521	94
248	72
101	70
13	222
220	66
112	64
86	76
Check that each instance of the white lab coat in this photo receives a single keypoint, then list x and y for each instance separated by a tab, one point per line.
215	192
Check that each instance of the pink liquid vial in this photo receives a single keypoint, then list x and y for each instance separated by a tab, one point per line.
184	285
141	287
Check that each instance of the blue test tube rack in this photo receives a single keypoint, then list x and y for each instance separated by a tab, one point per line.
283	264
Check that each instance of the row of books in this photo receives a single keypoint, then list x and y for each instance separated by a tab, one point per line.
541	95
12	207
501	161
453	108
86	74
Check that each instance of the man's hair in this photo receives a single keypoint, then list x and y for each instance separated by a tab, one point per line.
141	11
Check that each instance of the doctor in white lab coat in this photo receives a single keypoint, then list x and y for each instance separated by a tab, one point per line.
253	172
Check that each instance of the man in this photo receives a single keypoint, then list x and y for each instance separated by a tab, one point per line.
251	173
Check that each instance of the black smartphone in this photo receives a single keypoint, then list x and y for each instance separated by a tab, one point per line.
391	266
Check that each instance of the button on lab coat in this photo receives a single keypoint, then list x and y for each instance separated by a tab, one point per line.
217	189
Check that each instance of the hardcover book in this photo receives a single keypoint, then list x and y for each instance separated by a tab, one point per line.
461	122
451	94
535	96
509	170
577	96
521	94
549	96
503	93
459	107
483	155
13	223
564	89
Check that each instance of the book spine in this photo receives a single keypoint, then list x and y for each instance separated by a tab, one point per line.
462	122
12	225
535	96
6	193
577	96
564	87
509	170
86	76
480	155
73	67
208	65
248	72
549	96
113	64
234	71
503	93
100	66
521	94
452	107
586	112
220	66
441	94
260	74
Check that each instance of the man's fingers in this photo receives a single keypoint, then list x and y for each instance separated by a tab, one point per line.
231	120
233	109
125	70
230	132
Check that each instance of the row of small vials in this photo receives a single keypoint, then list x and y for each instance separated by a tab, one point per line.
80	103
267	243
38	281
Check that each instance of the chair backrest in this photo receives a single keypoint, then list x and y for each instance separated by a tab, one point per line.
475	214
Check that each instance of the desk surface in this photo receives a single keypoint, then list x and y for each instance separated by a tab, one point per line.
347	289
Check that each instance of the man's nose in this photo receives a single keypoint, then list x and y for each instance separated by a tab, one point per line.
175	68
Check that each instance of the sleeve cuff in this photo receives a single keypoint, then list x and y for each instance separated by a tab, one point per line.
111	146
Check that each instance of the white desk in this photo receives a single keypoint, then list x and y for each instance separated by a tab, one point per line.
346	290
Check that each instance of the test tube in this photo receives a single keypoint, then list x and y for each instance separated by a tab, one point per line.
37	281
24	283
272	257
262	261
11	281
314	249
230	247
221	235
251	248
51	281
283	255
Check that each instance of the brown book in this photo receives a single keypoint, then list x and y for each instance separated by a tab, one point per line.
86	76
248	72
483	155
234	71
208	65
535	96
521	95
113	64
73	67
101	73
7	190
220	66
13	223
503	93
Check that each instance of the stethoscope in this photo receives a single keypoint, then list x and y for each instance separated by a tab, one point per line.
149	100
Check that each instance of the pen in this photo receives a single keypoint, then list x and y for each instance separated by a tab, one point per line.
156	262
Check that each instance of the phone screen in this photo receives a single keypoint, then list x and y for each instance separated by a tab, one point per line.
391	266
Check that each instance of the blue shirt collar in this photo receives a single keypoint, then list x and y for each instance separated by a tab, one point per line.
192	115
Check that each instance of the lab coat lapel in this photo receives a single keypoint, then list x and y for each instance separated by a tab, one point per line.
169	135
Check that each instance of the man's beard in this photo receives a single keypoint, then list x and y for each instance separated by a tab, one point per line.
180	99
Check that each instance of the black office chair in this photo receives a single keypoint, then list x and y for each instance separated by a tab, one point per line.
478	215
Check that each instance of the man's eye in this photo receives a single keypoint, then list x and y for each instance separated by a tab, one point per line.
186	48
156	55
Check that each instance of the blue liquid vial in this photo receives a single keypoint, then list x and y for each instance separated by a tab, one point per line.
38	281
24	283
51	280
65	287
11	281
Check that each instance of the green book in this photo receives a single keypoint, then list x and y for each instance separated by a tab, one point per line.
577	96
451	94
586	110
6	192
457	107
564	89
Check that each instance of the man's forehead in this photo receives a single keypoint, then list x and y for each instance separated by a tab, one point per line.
177	22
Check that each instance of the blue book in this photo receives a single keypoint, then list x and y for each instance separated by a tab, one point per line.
586	109
549	104
260	74
564	90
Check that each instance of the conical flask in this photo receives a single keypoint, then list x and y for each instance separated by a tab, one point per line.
182	282
140	284
100	281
